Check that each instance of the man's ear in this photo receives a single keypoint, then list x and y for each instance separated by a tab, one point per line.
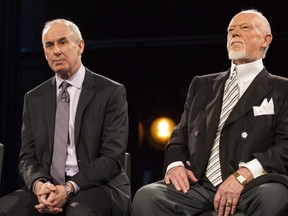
81	46
267	40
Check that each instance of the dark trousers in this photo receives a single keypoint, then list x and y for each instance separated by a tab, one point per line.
159	199
94	201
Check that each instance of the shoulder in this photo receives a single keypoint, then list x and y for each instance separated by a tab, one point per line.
212	75
42	88
276	78
278	82
92	78
207	78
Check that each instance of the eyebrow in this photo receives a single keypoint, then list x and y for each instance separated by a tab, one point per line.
60	39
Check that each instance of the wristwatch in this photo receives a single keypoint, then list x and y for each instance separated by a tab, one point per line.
70	192
240	178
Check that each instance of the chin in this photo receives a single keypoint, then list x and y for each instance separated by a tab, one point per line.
61	73
236	55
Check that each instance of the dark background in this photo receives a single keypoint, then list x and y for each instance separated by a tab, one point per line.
153	47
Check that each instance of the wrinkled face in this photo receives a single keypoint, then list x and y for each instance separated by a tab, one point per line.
246	38
62	51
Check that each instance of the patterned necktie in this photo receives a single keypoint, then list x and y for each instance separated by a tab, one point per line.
61	135
230	98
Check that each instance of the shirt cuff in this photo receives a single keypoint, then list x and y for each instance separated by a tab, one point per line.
174	164
254	167
77	188
40	179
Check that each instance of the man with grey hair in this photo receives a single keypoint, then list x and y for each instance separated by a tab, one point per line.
74	137
229	153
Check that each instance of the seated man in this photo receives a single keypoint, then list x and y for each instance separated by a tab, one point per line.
74	137
229	152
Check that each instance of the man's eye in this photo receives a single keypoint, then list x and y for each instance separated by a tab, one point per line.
49	45
245	27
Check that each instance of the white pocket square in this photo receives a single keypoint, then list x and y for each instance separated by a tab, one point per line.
266	108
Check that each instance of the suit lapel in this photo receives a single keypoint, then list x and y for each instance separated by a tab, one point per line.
255	93
49	101
87	92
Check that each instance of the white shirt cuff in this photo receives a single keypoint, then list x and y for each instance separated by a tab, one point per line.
174	164
254	167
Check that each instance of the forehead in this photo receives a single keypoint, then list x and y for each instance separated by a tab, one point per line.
57	31
244	18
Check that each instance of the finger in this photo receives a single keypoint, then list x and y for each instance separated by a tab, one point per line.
228	206
167	180
234	205
46	189
44	201
178	177
175	183
40	208
184	180
217	199
51	187
191	176
221	206
56	201
54	210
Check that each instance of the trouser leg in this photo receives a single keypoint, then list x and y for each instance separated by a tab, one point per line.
268	199
159	199
19	203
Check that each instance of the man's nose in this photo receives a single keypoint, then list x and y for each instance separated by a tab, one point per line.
236	31
57	50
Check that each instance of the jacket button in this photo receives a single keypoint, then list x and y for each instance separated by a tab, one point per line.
244	135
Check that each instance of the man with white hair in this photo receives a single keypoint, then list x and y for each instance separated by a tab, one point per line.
229	152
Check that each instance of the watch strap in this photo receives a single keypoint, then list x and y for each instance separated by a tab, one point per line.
70	192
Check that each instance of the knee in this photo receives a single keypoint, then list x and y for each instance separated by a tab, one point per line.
81	208
273	194
144	199
144	193
272	197
75	208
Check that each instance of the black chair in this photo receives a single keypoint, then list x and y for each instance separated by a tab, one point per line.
127	165
1	159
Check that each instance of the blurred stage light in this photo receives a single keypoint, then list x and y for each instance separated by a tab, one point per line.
160	131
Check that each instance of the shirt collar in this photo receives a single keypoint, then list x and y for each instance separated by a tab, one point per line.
75	80
247	72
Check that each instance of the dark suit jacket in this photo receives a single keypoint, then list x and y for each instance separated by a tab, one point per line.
244	136
101	133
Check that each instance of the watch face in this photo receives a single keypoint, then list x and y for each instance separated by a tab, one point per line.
241	178
71	194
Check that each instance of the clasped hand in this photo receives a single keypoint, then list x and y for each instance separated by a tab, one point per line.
226	197
51	198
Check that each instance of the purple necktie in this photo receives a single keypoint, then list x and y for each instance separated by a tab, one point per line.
61	135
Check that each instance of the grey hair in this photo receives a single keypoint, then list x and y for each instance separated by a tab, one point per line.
74	28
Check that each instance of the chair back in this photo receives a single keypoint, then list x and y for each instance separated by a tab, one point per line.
127	165
1	159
